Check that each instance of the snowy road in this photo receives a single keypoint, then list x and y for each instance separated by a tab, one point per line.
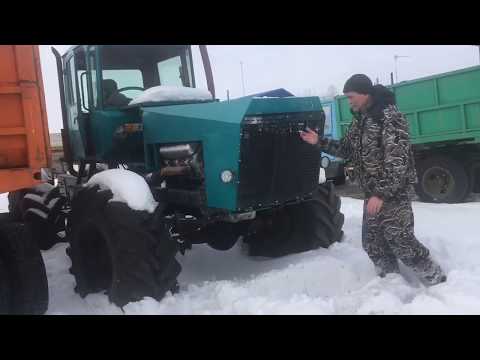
340	280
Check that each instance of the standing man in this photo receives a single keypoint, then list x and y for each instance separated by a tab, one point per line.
378	146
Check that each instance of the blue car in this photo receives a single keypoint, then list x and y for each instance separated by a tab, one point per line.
335	170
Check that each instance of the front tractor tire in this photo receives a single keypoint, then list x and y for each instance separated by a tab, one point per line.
129	254
298	228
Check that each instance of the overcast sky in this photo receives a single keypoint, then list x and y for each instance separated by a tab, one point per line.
303	70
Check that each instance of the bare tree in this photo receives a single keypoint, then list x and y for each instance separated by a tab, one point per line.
332	91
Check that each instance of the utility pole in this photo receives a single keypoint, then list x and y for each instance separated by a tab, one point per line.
243	81
478	51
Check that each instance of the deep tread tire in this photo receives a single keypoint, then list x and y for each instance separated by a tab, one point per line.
127	253
16	207
300	227
454	170
25	270
45	232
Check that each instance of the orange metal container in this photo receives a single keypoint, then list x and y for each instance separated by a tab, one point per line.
24	136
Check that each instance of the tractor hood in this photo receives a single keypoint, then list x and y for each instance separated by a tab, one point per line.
218	126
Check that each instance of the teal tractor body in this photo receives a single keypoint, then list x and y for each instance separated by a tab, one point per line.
220	171
255	140
230	133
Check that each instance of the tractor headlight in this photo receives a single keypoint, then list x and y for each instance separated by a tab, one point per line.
325	162
226	176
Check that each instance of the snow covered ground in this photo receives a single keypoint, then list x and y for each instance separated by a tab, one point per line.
340	280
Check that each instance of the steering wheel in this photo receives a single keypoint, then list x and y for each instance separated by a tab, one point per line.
126	88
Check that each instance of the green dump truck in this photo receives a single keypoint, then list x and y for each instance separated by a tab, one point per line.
444	116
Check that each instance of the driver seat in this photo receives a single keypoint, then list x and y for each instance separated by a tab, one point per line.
111	97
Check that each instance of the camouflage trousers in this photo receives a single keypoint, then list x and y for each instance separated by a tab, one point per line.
388	237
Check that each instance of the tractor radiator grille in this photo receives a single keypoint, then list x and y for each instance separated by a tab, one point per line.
276	165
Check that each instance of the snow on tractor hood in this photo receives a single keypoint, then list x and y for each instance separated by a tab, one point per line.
160	94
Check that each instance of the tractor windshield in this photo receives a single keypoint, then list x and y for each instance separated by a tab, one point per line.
128	70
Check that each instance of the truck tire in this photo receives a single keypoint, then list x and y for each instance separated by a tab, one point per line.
16	206
442	180
300	227
24	269
41	207
127	253
4	289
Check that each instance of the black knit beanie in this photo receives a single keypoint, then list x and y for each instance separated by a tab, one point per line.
359	83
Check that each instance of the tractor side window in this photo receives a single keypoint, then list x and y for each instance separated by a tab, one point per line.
82	79
71	87
171	72
124	78
93	68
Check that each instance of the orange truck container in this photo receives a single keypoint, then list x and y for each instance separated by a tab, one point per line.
24	135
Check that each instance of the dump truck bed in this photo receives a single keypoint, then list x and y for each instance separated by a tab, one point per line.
439	108
24	142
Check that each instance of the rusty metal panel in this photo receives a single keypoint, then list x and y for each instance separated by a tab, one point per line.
24	140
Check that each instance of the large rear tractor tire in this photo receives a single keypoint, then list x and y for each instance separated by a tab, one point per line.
442	180
298	228
128	254
23	278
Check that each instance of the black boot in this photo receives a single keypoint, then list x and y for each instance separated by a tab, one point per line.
429	272
387	267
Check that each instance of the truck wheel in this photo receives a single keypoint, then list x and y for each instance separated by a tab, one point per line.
300	227
24	269
4	289
442	180
127	253
41	207
16	206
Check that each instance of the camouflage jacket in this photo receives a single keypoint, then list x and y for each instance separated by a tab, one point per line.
378	147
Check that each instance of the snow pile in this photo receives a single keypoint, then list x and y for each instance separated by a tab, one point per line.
3	202
338	280
171	93
127	187
322	176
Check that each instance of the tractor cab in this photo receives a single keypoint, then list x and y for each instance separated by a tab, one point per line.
104	87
